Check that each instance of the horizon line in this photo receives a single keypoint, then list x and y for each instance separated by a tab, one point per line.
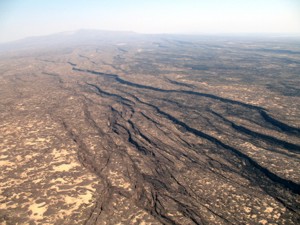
216	34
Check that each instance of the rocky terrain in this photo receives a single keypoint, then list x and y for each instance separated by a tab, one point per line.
150	130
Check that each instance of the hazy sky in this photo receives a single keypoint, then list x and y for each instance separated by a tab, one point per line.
22	18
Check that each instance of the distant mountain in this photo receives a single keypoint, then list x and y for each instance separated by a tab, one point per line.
72	38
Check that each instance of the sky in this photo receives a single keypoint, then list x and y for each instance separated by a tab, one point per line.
24	18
